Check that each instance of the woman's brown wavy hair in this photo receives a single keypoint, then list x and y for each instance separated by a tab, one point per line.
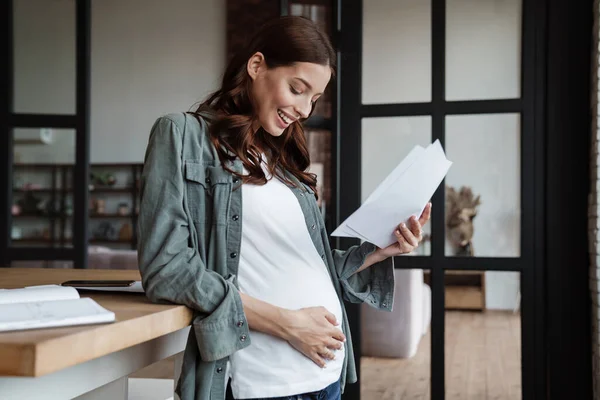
283	42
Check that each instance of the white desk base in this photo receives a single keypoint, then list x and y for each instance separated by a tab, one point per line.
101	378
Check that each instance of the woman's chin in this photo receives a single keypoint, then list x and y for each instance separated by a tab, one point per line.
273	130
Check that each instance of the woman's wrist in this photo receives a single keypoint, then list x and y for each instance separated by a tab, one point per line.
284	324
266	318
372	259
375	257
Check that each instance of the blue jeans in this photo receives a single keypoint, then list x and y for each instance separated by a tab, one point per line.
331	392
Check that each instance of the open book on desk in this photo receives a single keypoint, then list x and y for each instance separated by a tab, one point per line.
48	306
403	193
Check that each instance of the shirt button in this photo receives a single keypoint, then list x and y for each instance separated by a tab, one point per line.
384	304
323	256
235	217
236	180
243	338
301	194
219	370
313	227
207	180
240	323
233	255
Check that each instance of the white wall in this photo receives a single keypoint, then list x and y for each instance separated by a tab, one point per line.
483	62
149	57
396	51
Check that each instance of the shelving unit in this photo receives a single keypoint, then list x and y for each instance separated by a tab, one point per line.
51	184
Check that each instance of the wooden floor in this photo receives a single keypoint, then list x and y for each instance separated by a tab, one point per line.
483	361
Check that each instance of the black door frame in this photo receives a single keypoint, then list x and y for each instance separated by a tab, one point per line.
567	120
556	345
80	122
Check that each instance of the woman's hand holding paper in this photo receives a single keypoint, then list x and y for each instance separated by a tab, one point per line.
408	236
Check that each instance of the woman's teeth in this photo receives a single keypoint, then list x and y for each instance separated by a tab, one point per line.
284	118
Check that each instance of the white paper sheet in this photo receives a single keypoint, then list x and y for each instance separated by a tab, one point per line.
396	173
37	293
47	314
404	192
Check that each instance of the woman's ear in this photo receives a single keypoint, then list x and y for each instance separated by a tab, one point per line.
255	64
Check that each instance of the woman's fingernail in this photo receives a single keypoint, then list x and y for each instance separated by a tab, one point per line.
403	225
397	232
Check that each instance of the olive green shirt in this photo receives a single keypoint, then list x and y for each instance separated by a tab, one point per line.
189	235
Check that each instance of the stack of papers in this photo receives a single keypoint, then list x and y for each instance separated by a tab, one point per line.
403	193
48	306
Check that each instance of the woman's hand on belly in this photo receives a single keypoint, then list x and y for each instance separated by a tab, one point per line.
313	331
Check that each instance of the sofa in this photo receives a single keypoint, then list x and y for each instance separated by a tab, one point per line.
100	257
397	334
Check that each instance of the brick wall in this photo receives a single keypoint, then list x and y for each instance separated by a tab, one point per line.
594	206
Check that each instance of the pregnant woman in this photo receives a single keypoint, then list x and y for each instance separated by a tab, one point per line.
229	226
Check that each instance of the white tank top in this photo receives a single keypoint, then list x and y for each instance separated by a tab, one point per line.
280	265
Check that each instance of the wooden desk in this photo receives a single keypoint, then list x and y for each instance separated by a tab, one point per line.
62	363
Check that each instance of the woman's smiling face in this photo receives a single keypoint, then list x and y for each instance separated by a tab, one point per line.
285	94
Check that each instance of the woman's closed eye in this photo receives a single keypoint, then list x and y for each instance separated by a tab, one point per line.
294	90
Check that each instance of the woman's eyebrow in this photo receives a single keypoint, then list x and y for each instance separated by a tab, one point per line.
305	82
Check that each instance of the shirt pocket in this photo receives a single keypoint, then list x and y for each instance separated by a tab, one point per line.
208	189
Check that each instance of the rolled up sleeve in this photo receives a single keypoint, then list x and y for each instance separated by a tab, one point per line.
171	269
373	285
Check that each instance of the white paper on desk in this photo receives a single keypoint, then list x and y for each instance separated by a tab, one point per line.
405	192
37	293
48	314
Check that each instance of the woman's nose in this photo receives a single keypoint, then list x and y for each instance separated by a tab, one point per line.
304	110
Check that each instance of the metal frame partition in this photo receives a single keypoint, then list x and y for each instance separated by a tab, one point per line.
10	120
530	106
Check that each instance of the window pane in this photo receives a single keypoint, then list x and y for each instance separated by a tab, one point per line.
41	182
396	61
385	143
482	335
483	186
396	346
44	56
483	49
